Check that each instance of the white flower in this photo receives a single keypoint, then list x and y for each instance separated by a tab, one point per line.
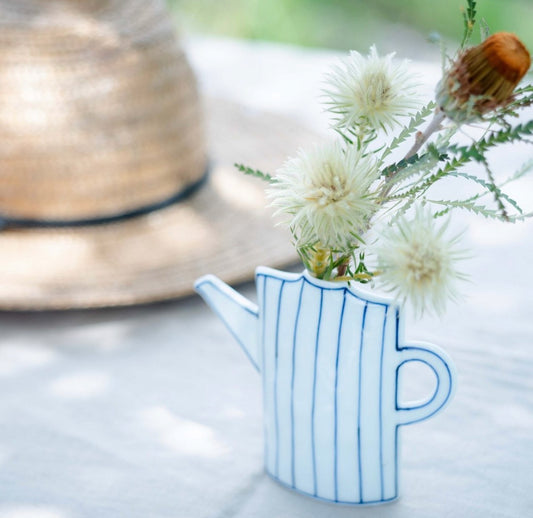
325	195
418	263
371	90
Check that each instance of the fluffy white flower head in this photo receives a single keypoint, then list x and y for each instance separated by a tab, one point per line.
418	262
325	195
371	91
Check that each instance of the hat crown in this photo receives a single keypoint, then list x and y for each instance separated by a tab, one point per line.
99	110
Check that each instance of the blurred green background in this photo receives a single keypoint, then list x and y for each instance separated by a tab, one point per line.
347	24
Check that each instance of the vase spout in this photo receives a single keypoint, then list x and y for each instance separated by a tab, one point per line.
239	314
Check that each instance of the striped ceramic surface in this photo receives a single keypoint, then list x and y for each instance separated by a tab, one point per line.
329	356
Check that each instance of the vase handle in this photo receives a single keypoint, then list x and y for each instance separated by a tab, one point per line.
438	361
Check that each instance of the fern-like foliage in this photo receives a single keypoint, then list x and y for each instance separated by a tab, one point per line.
255	172
469	20
489	187
477	150
425	182
523	97
455	157
524	169
416	121
423	171
416	166
435	155
401	207
470	206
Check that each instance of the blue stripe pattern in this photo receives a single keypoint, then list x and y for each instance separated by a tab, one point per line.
309	369
293	370
313	404
336	457
359	396
329	367
330	358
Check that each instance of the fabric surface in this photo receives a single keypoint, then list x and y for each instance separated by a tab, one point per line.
156	412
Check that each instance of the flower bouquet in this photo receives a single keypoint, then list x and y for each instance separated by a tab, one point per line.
329	353
357	216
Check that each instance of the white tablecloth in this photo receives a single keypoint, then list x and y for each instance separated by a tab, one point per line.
155	412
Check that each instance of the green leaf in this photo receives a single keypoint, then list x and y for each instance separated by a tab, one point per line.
484	29
396	167
490	187
420	188
471	10
424	164
255	172
524	169
480	210
418	119
523	97
469	20
344	137
476	151
399	212
524	90
498	195
449	205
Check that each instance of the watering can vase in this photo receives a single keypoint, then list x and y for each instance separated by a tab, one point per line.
329	356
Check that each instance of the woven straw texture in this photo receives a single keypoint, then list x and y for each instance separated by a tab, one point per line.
95	97
99	114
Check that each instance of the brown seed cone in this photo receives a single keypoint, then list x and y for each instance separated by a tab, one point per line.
484	77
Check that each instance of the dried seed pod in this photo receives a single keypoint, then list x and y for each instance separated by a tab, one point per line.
483	78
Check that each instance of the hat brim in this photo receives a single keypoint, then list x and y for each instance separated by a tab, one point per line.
224	228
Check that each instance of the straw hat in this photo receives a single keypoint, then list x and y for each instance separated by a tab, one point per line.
104	195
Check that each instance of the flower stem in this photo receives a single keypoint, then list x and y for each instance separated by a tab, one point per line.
420	140
422	137
355	277
341	269
319	262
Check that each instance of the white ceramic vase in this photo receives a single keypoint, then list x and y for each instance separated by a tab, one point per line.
329	356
